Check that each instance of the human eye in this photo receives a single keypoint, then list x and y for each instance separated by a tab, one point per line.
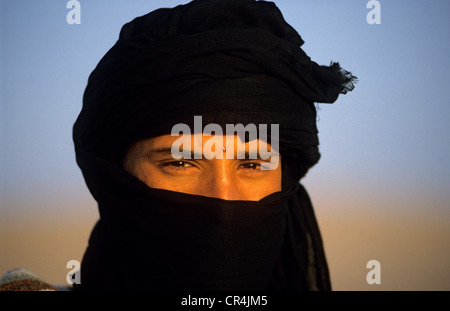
250	166
177	167
178	164
257	167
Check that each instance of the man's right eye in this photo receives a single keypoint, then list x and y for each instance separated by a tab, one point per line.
178	167
177	164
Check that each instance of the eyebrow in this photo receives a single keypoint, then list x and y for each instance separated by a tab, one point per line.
165	151
159	151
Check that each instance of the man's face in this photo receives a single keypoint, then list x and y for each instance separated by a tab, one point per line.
226	177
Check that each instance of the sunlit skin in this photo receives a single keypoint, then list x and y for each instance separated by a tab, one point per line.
151	161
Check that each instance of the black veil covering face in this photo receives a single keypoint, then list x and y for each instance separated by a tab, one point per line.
229	61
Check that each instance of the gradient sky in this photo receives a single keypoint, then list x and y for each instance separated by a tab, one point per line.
385	146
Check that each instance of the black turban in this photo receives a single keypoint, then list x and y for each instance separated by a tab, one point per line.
230	61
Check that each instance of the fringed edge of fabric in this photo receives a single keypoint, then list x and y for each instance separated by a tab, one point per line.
347	79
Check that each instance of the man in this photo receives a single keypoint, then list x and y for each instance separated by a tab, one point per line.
204	208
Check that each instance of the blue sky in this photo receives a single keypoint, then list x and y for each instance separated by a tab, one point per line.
391	132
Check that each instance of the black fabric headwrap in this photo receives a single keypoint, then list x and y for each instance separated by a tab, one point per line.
230	61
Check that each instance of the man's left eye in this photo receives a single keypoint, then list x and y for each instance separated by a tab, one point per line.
251	166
